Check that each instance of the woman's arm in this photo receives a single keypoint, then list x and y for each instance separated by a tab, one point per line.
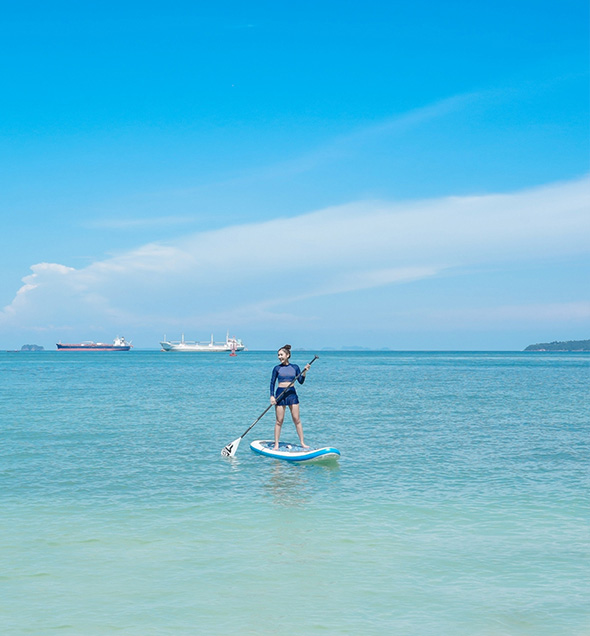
301	377
273	381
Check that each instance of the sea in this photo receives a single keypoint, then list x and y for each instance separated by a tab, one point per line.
459	505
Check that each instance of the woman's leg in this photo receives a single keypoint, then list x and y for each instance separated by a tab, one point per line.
297	421
280	415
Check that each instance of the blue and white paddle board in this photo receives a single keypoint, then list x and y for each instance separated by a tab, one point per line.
294	452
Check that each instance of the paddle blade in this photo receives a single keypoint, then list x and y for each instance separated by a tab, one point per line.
231	449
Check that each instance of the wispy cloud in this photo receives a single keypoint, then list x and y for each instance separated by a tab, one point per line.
348	144
122	223
258	270
526	315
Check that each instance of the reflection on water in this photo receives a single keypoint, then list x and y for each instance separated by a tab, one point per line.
292	484
234	462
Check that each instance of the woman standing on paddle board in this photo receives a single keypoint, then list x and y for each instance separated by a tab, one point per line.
285	373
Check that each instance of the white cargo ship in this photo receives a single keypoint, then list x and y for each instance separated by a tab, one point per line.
231	344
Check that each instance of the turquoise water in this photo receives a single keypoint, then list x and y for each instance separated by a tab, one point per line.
459	505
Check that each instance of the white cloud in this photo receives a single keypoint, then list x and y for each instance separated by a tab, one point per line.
253	271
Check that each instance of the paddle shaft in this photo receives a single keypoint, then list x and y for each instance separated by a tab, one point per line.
267	409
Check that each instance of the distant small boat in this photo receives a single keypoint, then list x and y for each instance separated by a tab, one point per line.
231	344
119	344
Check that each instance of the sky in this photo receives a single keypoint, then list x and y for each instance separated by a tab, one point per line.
411	176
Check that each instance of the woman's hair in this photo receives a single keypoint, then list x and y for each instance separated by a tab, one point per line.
287	348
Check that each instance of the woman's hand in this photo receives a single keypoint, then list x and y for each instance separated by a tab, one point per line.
273	400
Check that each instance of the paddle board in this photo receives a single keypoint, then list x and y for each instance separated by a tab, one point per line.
294	452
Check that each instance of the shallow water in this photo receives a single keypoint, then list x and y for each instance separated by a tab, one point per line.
459	505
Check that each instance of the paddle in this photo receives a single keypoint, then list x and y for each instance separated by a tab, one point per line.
231	449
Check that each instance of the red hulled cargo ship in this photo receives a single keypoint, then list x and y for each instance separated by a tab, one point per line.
119	344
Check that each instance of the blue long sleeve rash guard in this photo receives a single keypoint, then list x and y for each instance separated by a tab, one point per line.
285	373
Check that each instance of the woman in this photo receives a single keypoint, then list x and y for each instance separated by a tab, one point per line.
285	373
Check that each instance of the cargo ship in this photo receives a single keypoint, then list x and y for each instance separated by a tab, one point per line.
231	344
119	344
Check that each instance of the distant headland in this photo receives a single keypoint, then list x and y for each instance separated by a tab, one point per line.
32	347
568	345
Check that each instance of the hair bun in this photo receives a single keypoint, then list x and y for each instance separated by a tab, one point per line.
287	347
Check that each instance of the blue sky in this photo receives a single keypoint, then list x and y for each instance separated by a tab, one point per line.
380	174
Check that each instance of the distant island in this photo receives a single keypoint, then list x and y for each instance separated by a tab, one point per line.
569	345
32	347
